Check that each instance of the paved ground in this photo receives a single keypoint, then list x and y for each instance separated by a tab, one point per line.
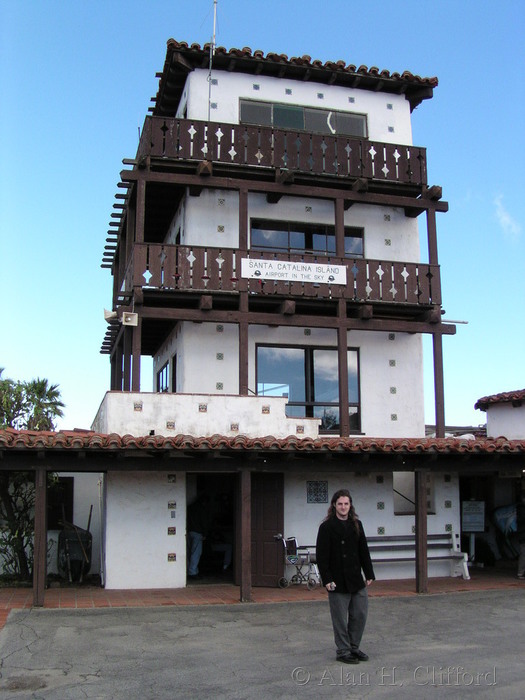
436	646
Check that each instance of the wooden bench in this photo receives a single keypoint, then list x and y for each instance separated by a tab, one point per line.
392	549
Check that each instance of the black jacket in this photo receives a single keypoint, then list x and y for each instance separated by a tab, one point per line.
342	554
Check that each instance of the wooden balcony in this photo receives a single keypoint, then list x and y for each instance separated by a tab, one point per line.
265	147
208	270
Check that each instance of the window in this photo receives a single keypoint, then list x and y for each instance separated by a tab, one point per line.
313	120
308	377
163	378
291	237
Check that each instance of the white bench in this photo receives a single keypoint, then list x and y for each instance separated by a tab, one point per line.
392	549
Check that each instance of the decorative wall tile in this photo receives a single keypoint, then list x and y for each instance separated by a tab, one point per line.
220	229
172	478
214	81
413	529
393	390
393	416
381	530
265	409
170	425
308	209
448	504
219	386
386	217
389	105
172	505
256	86
392	363
203	408
234	427
288	91
320	96
317	491
391	129
221	201
137	406
213	105
172	531
219	356
388	242
172	557
380	505
219	328
448	527
351	99
307	331
391	336
299	429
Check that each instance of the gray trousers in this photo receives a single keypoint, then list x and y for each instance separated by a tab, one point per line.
349	612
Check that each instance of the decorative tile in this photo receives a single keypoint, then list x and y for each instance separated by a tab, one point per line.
299	429
307	331
317	491
214	81
308	209
234	427
256	86
380	505
288	91
219	328
137	406
172	505
172	531
220	229
393	390
172	557
392	363
386	217
448	527
320	96
389	105
388	241
448	504
203	408
393	416
219	386
391	129
381	530
170	425
391	336
172	478
351	99
219	356
413	529
221	201
213	105
266	409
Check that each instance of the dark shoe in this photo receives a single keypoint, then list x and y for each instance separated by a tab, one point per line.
348	659
194	577
360	655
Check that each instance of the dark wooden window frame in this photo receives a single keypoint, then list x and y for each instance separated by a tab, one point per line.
310	404
163	378
273	122
309	229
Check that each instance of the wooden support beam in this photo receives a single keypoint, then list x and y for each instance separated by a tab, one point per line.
40	541
287	307
421	531
205	168
246	536
360	185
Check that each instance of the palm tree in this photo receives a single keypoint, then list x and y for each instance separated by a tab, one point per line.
44	405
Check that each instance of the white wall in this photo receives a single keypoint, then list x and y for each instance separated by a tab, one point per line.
138	514
374	504
505	420
387	124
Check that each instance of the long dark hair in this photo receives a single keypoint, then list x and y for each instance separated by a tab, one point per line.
352	515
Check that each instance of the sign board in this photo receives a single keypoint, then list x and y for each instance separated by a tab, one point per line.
473	516
285	271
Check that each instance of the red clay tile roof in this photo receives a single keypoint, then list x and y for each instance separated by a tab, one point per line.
514	397
182	58
85	440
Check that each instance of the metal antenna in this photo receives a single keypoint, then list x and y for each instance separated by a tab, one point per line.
212	52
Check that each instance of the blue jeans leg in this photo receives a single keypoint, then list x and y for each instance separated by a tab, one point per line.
195	540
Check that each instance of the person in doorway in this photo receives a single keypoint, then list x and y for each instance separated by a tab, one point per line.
520	531
342	557
198	525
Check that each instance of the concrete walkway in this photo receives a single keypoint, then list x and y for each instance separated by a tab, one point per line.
434	646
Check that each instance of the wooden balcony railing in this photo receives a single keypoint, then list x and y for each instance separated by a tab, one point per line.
315	154
207	269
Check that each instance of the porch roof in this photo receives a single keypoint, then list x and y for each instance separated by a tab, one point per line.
84	440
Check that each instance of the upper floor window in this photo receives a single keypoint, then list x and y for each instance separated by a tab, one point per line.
311	119
163	376
309	378
298	238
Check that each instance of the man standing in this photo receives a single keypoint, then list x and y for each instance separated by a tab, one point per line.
342	556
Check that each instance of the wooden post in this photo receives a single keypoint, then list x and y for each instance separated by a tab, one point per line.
135	355
126	383
40	538
340	227
439	384
421	531
246	537
342	360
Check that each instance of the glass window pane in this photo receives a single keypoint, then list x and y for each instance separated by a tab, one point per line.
354	243
350	124
329	416
318	120
355	423
353	377
326	377
288	117
281	367
273	236
256	113
297	239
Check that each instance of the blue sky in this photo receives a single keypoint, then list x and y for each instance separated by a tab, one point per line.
75	83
